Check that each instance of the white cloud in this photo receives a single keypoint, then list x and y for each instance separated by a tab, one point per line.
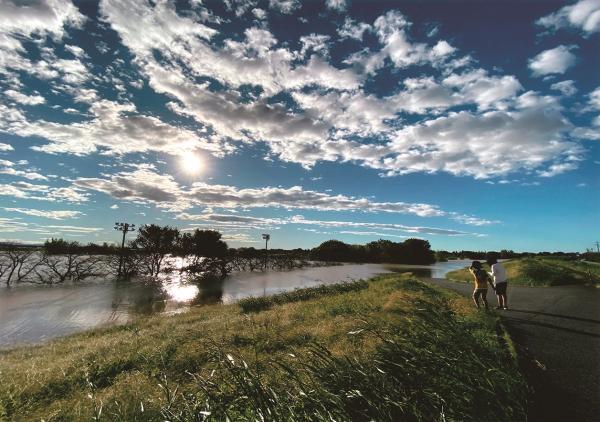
391	31
314	43
339	5
567	88
371	234
594	99
26	190
23	98
55	215
6	147
8	167
43	17
74	229
285	6
237	222
353	29
22	21
146	185
464	143
558	168
583	15
113	123
260	14
554	61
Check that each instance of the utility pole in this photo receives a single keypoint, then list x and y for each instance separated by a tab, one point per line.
123	227
266	237
598	246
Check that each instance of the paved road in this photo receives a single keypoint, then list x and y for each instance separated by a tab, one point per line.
558	332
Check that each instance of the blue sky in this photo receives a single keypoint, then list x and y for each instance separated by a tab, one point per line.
472	124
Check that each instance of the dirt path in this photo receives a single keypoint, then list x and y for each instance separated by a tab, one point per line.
558	332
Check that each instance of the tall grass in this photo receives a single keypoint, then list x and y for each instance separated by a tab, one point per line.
396	349
260	303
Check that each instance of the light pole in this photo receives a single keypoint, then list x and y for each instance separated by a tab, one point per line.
266	237
123	227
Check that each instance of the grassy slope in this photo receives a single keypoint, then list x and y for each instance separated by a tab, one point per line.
540	272
396	350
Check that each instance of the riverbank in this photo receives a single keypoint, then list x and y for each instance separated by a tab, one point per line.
395	349
540	272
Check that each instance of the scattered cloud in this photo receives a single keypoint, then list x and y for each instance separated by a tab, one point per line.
56	215
339	5
567	88
583	15
24	99
144	184
8	167
352	29
554	61
370	234
237	222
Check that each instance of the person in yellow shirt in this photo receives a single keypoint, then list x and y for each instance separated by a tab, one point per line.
481	279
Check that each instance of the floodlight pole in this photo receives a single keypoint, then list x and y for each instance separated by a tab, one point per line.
123	227
266	237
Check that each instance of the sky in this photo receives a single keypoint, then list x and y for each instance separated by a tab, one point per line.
471	124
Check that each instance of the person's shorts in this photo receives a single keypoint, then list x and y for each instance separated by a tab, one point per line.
501	288
479	292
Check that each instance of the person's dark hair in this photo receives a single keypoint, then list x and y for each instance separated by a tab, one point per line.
492	260
476	265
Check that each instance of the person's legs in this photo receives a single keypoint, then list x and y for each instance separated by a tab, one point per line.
501	292
480	293
476	298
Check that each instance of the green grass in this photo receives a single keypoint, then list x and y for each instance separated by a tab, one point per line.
541	271
261	303
393	349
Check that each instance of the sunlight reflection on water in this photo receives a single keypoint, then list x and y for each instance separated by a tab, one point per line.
30	314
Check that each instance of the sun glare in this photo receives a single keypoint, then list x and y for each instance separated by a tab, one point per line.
191	163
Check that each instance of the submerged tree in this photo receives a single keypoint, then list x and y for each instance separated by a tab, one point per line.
155	243
205	252
16	264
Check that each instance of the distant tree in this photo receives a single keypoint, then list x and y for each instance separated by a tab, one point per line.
154	243
333	250
411	251
60	246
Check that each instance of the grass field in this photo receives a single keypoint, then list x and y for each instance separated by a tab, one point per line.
393	349
541	271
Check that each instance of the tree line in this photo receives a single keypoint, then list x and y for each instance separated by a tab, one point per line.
410	251
203	253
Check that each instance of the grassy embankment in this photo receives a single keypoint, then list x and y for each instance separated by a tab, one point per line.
392	348
540	271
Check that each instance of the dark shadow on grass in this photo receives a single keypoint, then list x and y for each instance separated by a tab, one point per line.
593	321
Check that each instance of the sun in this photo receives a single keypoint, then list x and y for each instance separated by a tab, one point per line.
191	163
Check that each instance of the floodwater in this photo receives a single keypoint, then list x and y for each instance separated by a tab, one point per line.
35	313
